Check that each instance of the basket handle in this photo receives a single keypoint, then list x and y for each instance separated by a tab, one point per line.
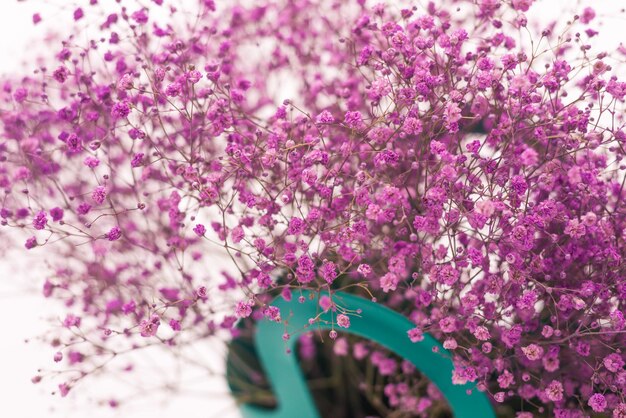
376	323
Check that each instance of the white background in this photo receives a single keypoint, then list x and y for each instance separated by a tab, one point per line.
24	314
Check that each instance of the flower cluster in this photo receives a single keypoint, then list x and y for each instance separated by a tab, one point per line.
425	156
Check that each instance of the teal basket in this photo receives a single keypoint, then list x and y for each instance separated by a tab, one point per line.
376	323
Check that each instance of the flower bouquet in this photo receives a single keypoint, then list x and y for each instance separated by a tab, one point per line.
384	209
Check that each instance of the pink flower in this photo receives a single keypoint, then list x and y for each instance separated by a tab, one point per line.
149	327
296	226
551	363
527	300
519	185
481	333
452	114
547	331
354	120
40	220
325	303
445	274
60	74
522	5
99	195
243	309
597	402
83	208
199	229
447	324
114	234
506	379
415	335
120	110
328	271
78	14
325	117
272	313
173	90
64	389
575	229
613	362
341	347
387	366
364	270
137	160
554	391
389	282
91	162
343	321
360	351
175	325
71	320
30	243
588	15
620	410
140	16
237	234
533	352
450	344
126	82
201	292
194	76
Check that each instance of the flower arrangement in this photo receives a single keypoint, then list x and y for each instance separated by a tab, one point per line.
447	160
